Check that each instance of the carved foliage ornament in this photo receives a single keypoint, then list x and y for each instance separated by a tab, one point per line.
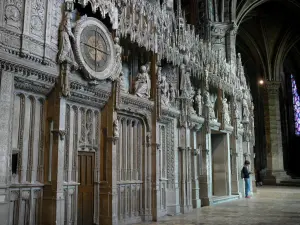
95	50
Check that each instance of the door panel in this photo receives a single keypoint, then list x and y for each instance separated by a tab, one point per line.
86	162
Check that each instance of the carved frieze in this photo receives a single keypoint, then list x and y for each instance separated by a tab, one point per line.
13	13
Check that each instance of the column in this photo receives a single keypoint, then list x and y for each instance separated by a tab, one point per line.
108	186
275	168
6	102
53	201
205	179
195	172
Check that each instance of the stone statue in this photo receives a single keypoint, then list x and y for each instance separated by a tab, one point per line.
116	128
143	84
118	49
246	112
172	93
191	108
209	105
158	74
198	100
122	83
185	83
164	88
226	111
66	52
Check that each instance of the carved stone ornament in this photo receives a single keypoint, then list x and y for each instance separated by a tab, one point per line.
199	102
165	94
116	129
61	133
226	111
96	51
143	83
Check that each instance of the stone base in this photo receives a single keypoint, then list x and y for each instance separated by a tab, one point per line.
196	203
207	201
275	177
186	209
173	209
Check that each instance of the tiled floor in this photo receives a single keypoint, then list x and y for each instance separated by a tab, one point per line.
270	206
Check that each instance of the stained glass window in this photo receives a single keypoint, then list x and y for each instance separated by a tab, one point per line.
296	102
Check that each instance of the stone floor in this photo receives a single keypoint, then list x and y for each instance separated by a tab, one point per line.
269	206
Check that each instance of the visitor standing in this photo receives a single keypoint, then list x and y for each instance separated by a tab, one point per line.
246	175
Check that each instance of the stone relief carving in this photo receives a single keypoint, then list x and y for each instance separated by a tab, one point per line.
199	102
225	108
143	83
13	13
37	17
56	18
116	131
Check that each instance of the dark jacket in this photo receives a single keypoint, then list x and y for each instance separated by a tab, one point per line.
246	172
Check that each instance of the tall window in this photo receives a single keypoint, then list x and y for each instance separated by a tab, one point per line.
296	102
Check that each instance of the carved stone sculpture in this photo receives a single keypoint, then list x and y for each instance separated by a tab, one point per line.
209	105
198	101
185	84
164	88
123	87
246	112
172	93
66	52
118	49
226	111
143	84
191	108
116	131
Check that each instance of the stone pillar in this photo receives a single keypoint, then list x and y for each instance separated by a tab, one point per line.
275	168
153	145
205	179
195	171
184	148
6	102
53	206
108	188
234	150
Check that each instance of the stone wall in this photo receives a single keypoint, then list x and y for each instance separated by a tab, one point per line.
149	131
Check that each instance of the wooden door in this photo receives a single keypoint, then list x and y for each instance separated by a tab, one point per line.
86	163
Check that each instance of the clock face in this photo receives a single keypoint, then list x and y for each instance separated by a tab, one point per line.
95	50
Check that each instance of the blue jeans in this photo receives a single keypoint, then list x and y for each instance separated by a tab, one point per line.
247	186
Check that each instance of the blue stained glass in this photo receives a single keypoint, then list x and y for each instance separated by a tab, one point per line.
296	102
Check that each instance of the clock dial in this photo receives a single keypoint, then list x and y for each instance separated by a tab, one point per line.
95	49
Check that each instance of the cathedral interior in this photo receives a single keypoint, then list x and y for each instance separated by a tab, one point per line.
127	111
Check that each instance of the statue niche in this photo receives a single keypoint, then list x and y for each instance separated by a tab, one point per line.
143	84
